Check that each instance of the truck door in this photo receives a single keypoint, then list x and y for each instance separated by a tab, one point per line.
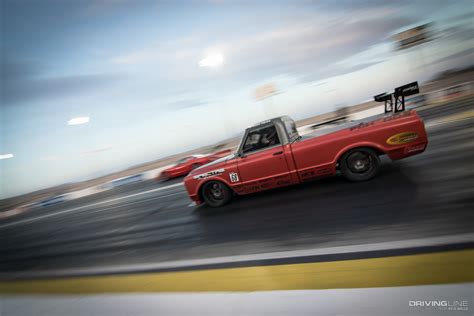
262	164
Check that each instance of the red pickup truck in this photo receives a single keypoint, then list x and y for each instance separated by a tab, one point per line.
272	154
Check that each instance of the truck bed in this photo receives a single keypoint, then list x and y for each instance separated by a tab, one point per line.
328	130
397	135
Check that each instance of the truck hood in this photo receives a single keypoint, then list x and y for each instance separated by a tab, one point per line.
213	164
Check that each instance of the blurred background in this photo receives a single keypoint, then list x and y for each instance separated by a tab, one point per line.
94	87
99	98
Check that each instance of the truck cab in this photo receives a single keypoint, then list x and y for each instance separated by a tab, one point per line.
264	157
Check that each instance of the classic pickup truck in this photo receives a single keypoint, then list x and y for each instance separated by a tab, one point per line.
272	154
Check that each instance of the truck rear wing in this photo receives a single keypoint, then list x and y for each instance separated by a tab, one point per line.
395	102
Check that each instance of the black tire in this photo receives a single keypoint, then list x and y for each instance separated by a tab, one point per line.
216	193
360	164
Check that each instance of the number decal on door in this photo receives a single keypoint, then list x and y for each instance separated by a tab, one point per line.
234	177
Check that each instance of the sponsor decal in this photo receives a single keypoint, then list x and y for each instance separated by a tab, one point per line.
209	174
234	177
267	183
402	138
416	148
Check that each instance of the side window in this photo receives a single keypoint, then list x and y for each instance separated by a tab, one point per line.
260	139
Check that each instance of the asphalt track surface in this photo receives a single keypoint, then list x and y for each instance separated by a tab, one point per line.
422	196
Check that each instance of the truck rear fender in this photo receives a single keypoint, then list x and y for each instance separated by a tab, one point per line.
374	146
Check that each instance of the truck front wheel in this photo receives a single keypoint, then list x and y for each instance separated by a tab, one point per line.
360	164
216	193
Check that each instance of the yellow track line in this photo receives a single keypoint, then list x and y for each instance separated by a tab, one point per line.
433	268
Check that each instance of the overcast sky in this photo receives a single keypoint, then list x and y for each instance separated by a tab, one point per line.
132	67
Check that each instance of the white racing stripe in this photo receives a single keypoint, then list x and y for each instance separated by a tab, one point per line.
37	218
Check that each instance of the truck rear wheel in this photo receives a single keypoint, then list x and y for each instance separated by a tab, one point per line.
216	193
360	164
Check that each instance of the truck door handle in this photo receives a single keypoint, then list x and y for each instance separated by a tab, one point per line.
277	153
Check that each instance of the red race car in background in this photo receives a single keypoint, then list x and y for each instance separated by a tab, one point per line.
185	165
